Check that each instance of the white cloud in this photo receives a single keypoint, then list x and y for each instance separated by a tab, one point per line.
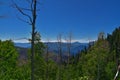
83	40
21	41
75	40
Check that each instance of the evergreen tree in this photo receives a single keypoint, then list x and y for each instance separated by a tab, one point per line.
39	62
114	41
8	60
93	63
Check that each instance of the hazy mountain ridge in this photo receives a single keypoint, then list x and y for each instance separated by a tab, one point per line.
53	46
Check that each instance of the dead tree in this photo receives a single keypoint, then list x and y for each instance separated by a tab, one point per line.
47	55
117	72
31	19
59	46
69	42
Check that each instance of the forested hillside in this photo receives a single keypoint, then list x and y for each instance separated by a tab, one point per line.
98	62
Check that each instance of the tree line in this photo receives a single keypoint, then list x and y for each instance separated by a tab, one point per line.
98	62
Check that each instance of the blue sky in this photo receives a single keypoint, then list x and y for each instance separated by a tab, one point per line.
84	18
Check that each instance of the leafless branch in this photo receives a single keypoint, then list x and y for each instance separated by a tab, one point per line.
26	9
32	20
29	9
23	20
21	11
31	5
21	38
59	45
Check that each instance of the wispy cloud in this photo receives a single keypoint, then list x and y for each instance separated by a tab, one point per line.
21	41
75	40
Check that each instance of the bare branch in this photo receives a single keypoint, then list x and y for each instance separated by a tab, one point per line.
31	5
21	38
26	9
21	11
32	20
29	9
24	20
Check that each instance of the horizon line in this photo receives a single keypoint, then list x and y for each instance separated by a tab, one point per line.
63	41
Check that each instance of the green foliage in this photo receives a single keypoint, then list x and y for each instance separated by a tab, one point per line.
39	65
110	69
52	70
9	64
39	62
93	63
22	72
98	62
114	41
82	78
8	60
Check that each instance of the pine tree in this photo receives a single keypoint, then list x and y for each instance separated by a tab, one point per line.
8	60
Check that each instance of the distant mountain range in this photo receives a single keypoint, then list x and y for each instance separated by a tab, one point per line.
75	47
22	45
53	46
